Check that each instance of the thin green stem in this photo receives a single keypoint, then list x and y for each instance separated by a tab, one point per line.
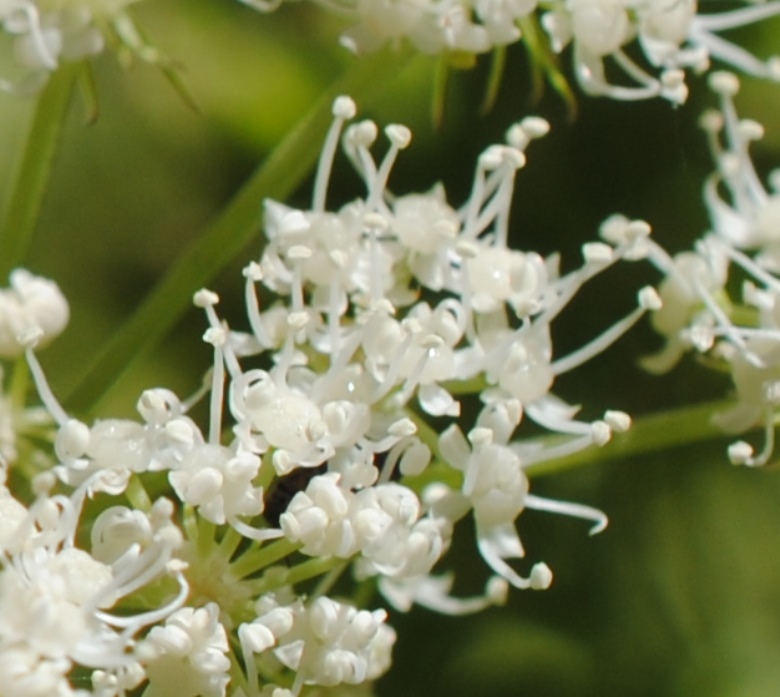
364	593
255	559
190	523
20	383
544	64
495	79
206	531
137	495
29	183
281	173
228	545
329	580
302	572
425	432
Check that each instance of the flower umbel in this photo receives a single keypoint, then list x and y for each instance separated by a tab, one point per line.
319	450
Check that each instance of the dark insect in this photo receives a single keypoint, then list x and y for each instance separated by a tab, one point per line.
281	492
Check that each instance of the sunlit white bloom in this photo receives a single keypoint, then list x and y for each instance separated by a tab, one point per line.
671	37
56	598
690	288
495	487
382	524
324	419
219	482
186	656
332	643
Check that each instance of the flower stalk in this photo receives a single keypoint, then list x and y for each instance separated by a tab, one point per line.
30	181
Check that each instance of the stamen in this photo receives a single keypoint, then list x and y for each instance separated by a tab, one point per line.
216	338
606	338
577	510
253	275
343	110
44	391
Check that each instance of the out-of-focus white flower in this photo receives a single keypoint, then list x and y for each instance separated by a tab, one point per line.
741	333
47	32
30	302
673	37
434	593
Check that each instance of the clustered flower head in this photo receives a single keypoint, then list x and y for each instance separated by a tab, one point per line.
388	311
721	298
671	36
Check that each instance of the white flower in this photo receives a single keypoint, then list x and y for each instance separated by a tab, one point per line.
496	488
31	302
47	32
318	519
332	643
186	657
673	37
25	673
395	541
741	333
55	598
219	482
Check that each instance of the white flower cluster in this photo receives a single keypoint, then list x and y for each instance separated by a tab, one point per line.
672	36
44	33
389	310
56	599
362	359
741	250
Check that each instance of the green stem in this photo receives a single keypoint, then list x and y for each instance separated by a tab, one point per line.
495	79
649	434
190	524
281	173
302	572
137	495
364	593
206	531
425	432
254	560
228	545
329	580
28	186
544	64
20	382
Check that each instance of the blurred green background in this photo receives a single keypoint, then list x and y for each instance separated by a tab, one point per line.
680	595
